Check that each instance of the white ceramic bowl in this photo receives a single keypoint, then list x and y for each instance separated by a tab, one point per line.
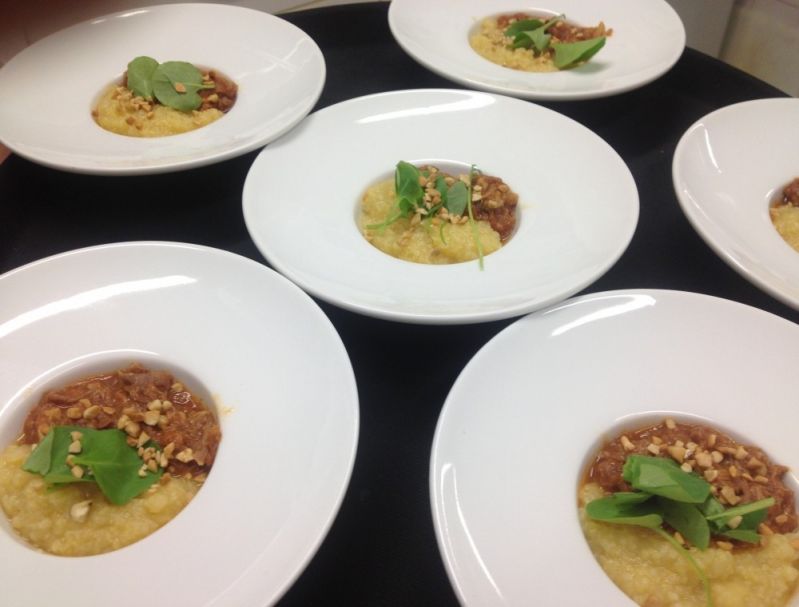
577	212
50	87
648	38
727	169
521	421
250	340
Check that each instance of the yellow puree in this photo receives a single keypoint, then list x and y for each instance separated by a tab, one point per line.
490	42
653	574
420	243
120	112
43	518
786	220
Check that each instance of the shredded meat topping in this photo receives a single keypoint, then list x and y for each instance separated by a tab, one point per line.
790	195
738	474
134	398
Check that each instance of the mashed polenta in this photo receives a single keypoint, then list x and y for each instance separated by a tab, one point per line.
119	111
47	519
785	214
414	240
786	221
491	43
652	573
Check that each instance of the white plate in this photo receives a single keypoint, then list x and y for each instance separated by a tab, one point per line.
727	169
648	38
521	421
578	204
242	332
50	87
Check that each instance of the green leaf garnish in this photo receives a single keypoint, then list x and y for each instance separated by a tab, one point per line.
752	507
523	26
742	535
409	193
457	198
533	37
688	520
175	84
105	455
441	186
140	76
568	54
532	34
661	476
40	459
50	457
622	509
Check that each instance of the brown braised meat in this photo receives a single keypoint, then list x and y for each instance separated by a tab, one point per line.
495	203
737	474
135	400
222	96
790	195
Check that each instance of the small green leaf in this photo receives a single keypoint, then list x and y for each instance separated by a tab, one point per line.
441	186
742	535
57	470
457	198
628	498
115	465
710	507
523	26
568	54
752	519
105	456
40	459
182	75
609	510
743	509
663	477
140	76
534	37
407	190
688	520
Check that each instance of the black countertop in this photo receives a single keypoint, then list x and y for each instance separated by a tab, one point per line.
381	549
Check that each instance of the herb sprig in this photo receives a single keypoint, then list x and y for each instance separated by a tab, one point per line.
174	83
664	493
110	462
532	34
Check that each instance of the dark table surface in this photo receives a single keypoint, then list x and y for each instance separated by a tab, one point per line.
381	549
